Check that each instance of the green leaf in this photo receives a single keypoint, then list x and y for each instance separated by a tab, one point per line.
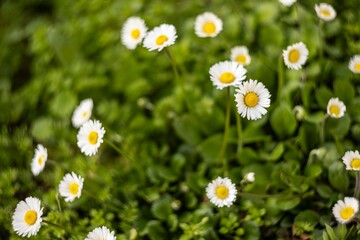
210	148
187	128
283	121
307	216
344	90
338	176
338	127
313	170
42	129
277	152
330	232
287	204
161	208
155	230
322	95
63	104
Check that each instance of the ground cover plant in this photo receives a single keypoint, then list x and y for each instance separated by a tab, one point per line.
179	119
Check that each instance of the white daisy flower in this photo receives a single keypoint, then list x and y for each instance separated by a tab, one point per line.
227	73
221	192
354	64
82	112
160	37
336	108
90	137
39	160
249	177
344	211
325	11
287	3
27	217
351	160
133	32
241	55
208	25
101	233
70	186
252	99
295	55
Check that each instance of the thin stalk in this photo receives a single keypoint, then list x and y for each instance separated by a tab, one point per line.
239	132
222	158
321	41
322	129
280	78
357	185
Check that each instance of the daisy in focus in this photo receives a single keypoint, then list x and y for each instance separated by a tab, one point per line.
345	211
39	160
252	98
133	32
27	219
336	108
160	37
295	55
70	186
82	112
351	160
90	137
221	192
354	64
227	73
241	55
325	11
208	25
101	233
287	3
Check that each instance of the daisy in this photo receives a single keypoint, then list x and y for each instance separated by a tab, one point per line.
70	186
241	55
82	112
160	37
221	192
252	98
336	108
354	64
101	233
249	177
208	25
325	11
90	136
227	73
295	55
344	211
287	3
27	217
352	160
133	32
39	160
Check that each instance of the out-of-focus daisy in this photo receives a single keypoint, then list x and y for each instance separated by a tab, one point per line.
241	55
133	32
354	64
249	177
352	160
208	25
27	217
252	99
295	55
82	112
90	137
70	186
325	11
221	192
101	233
287	3
227	73
160	37
336	108
39	160
344	211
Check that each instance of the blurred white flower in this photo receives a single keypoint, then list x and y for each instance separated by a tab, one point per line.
160	37
250	177
221	192
133	32
39	160
227	73
336	108
208	25
287	3
354	64
295	55
101	233
70	186
344	211
90	137
241	55
351	160
82	112
325	11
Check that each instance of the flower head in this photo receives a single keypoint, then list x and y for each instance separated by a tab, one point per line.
252	99
101	233
249	177
227	73
295	55
344	211
70	186
208	25
325	11
354	64
39	160
221	192
82	112
133	32
160	37
287	3
241	55
336	108
27	217
90	137
352	160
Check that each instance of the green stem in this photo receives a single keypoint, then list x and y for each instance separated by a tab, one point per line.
280	78
222	158
321	41
322	130
239	132
58	203
357	185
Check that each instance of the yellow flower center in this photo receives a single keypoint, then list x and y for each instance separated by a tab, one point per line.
334	110
40	159
74	188
251	99
227	77
161	39
357	67
294	55
135	33
325	13
241	59
209	28
346	213
355	163
85	114
30	217
222	192
93	137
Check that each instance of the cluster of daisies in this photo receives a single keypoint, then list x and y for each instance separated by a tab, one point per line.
27	217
